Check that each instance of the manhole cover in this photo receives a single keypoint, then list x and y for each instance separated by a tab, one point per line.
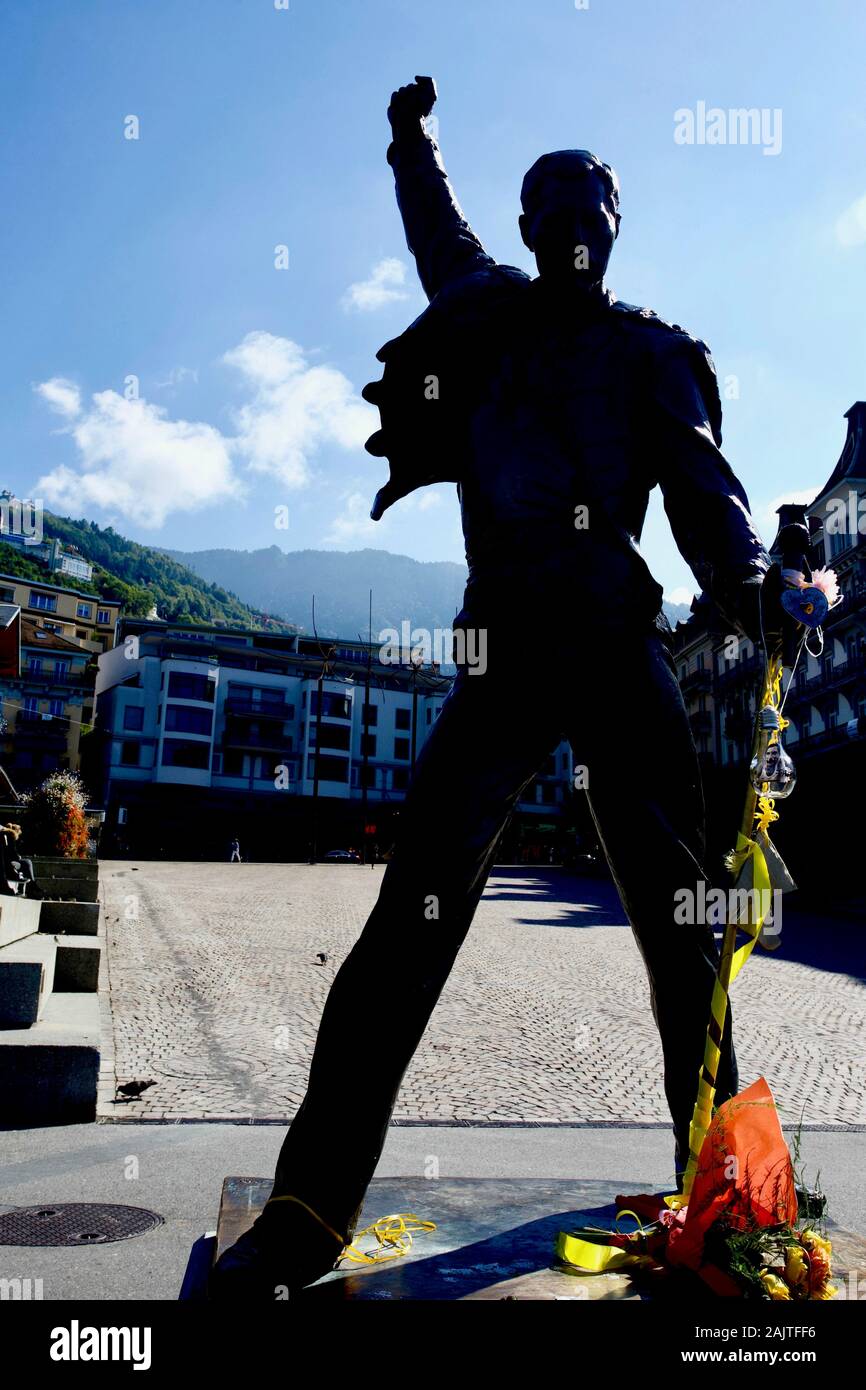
75	1223
204	1066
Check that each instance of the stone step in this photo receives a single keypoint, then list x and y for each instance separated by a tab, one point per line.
81	919
18	917
76	965
82	890
26	976
48	1073
55	866
33	966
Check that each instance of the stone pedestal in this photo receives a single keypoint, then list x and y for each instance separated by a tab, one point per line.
494	1239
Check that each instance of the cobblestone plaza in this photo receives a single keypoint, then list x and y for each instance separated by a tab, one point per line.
217	987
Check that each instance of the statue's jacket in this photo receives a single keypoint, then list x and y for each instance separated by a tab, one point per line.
555	428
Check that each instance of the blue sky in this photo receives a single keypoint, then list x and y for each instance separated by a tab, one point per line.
259	127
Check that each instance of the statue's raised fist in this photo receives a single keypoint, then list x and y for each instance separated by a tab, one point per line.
411	104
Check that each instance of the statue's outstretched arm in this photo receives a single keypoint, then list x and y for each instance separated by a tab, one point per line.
439	237
706	504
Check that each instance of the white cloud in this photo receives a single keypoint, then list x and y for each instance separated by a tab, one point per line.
176	377
296	408
851	224
681	595
765	513
383	285
62	396
136	462
428	499
354	520
133	460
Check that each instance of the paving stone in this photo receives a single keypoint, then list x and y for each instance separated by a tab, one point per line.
216	995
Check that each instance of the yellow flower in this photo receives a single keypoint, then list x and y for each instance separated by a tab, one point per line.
796	1266
813	1241
820	1250
775	1287
824	1293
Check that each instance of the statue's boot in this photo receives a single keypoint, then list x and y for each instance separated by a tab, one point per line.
284	1250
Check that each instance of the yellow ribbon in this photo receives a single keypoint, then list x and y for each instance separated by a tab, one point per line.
394	1234
758	815
589	1248
394	1237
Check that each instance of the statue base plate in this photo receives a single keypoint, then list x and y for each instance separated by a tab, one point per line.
495	1239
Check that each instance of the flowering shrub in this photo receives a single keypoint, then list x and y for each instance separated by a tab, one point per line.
54	817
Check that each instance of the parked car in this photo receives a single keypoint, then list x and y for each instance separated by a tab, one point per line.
342	856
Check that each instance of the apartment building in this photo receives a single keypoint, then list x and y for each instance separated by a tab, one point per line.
79	617
204	734
46	698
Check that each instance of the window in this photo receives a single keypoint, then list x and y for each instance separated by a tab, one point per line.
402	719
233	763
330	769
133	717
83	610
176	752
103	616
368	745
7	595
332	736
54	627
129	753
61	670
401	747
31	704
81	634
46	603
34	665
187	685
182	719
56	708
401	779
333	706
370	715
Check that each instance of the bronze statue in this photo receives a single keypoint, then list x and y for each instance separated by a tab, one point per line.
556	409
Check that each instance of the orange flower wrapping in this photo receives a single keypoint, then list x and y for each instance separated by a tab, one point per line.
744	1178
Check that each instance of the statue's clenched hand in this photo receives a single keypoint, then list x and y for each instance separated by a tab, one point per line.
410	105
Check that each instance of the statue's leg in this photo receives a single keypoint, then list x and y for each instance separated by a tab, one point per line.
480	754
644	789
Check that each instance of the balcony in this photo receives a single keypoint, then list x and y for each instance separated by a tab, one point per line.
697	682
740	671
258	709
33	729
82	680
240	734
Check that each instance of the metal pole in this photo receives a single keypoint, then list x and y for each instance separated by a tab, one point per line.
415	669
315	807
365	738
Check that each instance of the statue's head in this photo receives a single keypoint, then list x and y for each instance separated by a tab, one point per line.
570	217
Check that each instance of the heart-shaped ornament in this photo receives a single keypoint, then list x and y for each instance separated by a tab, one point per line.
809	606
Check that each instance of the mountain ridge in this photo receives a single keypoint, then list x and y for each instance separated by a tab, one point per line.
281	582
